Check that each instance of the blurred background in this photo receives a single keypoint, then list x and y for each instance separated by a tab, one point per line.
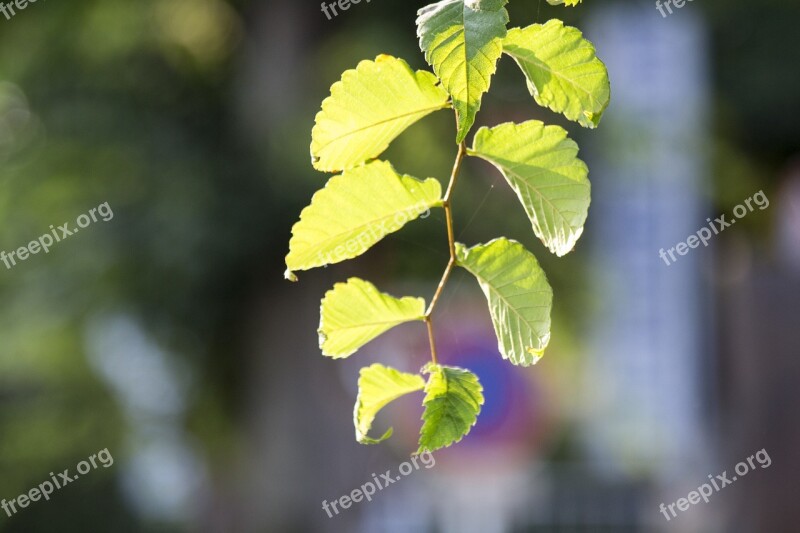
168	335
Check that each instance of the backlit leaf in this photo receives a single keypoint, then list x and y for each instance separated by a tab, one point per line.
562	70
520	298
354	211
541	165
463	44
354	313
453	400
379	385
572	3
368	109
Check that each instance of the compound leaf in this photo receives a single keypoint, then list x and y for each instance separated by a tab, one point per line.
541	165
368	109
354	313
453	399
354	211
562	70
377	386
520	298
462	41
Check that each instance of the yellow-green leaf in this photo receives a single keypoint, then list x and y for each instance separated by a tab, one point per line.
368	109
377	386
354	313
354	211
572	3
520	298
463	44
562	70
541	165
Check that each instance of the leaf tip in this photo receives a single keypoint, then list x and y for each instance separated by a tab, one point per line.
322	337
289	275
593	119
361	438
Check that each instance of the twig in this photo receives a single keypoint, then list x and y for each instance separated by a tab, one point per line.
448	212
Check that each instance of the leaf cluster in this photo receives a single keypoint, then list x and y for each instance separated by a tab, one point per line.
367	198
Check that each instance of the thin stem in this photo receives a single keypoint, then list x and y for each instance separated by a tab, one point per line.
462	149
442	282
448	209
429	323
451	242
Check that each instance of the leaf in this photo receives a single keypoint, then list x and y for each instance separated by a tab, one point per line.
453	399
541	165
562	70
520	298
354	313
463	44
368	109
354	211
572	3
377	386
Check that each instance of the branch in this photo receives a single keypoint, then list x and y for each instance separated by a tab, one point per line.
448	213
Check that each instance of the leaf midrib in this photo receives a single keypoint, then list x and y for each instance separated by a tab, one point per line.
379	323
541	195
360	228
385	121
538	63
